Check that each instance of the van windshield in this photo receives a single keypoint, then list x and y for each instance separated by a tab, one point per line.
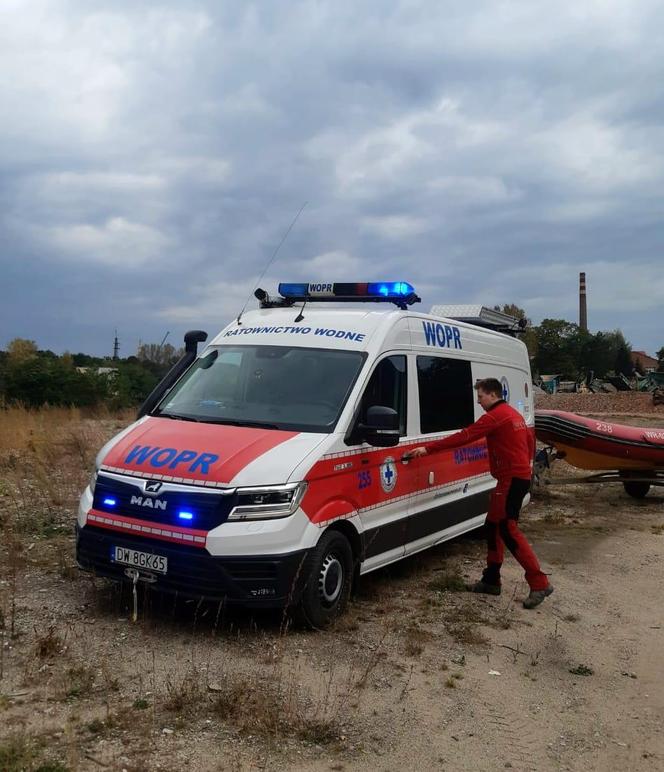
276	387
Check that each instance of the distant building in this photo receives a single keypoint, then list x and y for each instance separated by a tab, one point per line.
109	372
644	362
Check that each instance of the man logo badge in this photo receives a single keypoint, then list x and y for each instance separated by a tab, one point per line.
152	486
139	501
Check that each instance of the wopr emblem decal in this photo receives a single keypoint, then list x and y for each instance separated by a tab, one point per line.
388	474
506	388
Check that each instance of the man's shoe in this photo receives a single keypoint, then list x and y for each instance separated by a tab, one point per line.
536	597
483	587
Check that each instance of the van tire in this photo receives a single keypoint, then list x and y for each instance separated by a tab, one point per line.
328	581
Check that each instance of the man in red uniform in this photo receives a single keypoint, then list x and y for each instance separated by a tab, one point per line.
511	446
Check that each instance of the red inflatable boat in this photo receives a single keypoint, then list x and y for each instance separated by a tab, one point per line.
592	444
587	443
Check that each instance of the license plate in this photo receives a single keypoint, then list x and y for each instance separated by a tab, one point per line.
136	559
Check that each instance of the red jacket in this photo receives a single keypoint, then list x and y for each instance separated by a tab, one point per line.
510	442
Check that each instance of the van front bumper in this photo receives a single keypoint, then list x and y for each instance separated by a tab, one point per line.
256	580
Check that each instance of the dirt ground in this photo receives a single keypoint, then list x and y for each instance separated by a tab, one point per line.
417	674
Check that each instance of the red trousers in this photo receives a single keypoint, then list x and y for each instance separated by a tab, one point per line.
502	528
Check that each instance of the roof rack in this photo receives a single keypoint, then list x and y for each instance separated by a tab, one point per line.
481	316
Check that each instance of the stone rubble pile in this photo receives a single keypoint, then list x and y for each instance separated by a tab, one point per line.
620	403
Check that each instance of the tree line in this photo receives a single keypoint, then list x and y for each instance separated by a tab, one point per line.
33	377
559	347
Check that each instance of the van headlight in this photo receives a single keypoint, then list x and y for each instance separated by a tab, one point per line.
268	501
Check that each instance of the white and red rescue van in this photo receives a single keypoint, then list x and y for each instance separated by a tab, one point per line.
269	469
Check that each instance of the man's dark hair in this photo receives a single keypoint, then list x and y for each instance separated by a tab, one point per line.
490	386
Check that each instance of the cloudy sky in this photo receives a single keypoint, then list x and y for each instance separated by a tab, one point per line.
152	155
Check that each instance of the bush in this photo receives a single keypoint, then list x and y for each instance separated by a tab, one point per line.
42	378
38	381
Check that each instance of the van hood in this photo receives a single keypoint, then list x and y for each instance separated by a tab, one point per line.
179	451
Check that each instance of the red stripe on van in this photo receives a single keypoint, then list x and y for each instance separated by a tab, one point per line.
343	484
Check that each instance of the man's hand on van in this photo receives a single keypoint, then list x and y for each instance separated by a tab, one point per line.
414	453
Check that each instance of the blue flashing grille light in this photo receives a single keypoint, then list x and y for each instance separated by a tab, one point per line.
186	515
110	502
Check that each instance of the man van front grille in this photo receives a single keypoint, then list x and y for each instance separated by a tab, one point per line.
207	510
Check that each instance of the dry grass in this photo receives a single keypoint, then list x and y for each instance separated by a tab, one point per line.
554	518
46	457
185	695
269	704
462	620
34	431
468	634
415	639
48	644
45	460
21	753
255	704
448	581
78	682
22	429
451	681
17	752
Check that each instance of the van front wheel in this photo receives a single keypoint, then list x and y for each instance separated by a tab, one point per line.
328	580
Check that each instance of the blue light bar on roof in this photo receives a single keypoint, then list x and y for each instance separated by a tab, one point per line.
379	290
393	289
293	290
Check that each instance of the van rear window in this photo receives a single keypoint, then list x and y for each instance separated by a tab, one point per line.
446	394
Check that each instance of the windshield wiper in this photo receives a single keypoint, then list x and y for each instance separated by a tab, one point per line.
176	417
253	424
210	420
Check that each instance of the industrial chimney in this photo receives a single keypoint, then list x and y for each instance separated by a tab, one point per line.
583	311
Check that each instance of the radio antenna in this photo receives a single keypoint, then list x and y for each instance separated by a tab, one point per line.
274	254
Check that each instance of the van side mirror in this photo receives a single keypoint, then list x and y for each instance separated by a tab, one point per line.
381	428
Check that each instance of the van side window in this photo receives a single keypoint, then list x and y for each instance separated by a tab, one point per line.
446	394
387	387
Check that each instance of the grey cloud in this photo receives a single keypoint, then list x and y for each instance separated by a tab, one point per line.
154	155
